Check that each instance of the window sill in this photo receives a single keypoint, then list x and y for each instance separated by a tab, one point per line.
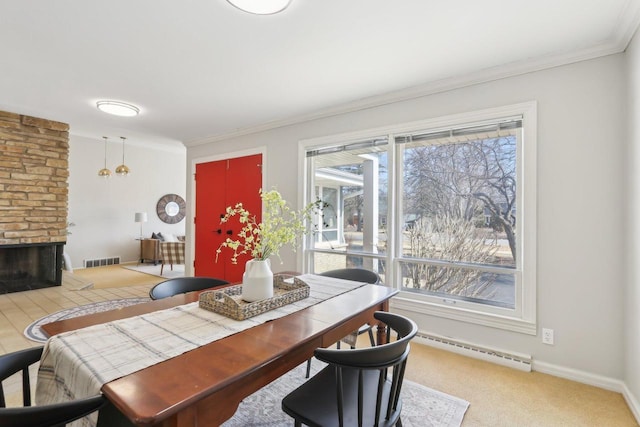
405	301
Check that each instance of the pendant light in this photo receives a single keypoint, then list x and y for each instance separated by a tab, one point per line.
122	170
104	172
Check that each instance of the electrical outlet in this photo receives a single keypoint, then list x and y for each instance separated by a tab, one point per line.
547	336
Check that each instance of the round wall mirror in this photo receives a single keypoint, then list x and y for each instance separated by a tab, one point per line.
171	208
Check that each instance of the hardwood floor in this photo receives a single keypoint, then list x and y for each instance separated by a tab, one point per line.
499	396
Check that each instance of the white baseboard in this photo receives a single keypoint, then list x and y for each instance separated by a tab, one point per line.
579	376
633	403
592	379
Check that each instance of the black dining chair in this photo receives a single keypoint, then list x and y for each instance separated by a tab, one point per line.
182	285
54	415
357	275
358	387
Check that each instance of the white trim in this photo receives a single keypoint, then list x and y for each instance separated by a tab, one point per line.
191	247
528	109
229	155
583	377
463	314
632	402
628	23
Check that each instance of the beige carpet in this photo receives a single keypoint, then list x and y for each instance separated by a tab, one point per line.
505	397
110	276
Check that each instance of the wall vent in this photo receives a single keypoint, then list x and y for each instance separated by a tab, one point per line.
521	362
89	263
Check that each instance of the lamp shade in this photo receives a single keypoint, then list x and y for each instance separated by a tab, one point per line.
141	217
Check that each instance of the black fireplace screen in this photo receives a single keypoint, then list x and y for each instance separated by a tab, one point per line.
30	266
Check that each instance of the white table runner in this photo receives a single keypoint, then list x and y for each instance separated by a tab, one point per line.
76	364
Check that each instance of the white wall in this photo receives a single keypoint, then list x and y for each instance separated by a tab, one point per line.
581	151
103	210
632	295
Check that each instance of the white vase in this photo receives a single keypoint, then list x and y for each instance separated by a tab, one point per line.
257	280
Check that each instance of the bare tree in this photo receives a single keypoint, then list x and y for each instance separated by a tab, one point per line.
473	180
451	239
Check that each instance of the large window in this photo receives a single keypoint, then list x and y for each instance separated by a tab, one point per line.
443	209
458	189
350	179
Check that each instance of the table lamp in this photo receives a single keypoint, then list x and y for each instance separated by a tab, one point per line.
141	217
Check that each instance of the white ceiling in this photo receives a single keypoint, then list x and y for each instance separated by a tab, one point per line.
201	70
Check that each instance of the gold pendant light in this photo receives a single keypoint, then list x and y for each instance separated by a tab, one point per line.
104	172
122	170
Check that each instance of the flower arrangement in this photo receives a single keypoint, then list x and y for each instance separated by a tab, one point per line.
280	226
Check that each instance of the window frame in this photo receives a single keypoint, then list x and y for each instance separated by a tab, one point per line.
521	319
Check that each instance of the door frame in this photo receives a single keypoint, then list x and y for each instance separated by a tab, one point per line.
190	227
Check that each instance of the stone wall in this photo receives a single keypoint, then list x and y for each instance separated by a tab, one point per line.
34	171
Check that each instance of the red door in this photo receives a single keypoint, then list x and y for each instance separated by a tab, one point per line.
220	184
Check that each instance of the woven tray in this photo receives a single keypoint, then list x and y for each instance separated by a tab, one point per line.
229	302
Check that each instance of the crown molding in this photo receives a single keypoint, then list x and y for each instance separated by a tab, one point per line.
628	23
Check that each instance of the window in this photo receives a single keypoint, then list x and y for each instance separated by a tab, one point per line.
458	240
351	179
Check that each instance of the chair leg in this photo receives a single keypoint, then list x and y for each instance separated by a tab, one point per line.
399	422
297	423
308	368
373	341
161	267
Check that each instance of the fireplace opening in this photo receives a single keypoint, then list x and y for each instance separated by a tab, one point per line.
30	266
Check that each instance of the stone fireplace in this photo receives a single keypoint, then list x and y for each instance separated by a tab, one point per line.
34	170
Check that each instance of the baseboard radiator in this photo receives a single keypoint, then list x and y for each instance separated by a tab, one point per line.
521	362
88	263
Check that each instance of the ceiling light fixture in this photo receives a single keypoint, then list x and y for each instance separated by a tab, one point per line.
104	172
261	7
118	108
122	170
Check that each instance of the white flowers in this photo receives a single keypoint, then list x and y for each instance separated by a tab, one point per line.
279	226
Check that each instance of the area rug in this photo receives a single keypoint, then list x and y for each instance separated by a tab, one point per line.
422	406
178	270
34	333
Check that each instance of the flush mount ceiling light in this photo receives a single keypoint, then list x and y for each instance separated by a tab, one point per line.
261	7
118	108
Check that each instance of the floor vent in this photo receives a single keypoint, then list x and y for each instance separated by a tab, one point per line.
88	263
518	361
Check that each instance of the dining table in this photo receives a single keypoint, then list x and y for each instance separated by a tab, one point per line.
204	386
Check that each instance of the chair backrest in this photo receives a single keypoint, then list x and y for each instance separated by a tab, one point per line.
392	355
56	415
355	274
181	285
15	362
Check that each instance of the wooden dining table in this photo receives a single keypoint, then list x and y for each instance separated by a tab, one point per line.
204	386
